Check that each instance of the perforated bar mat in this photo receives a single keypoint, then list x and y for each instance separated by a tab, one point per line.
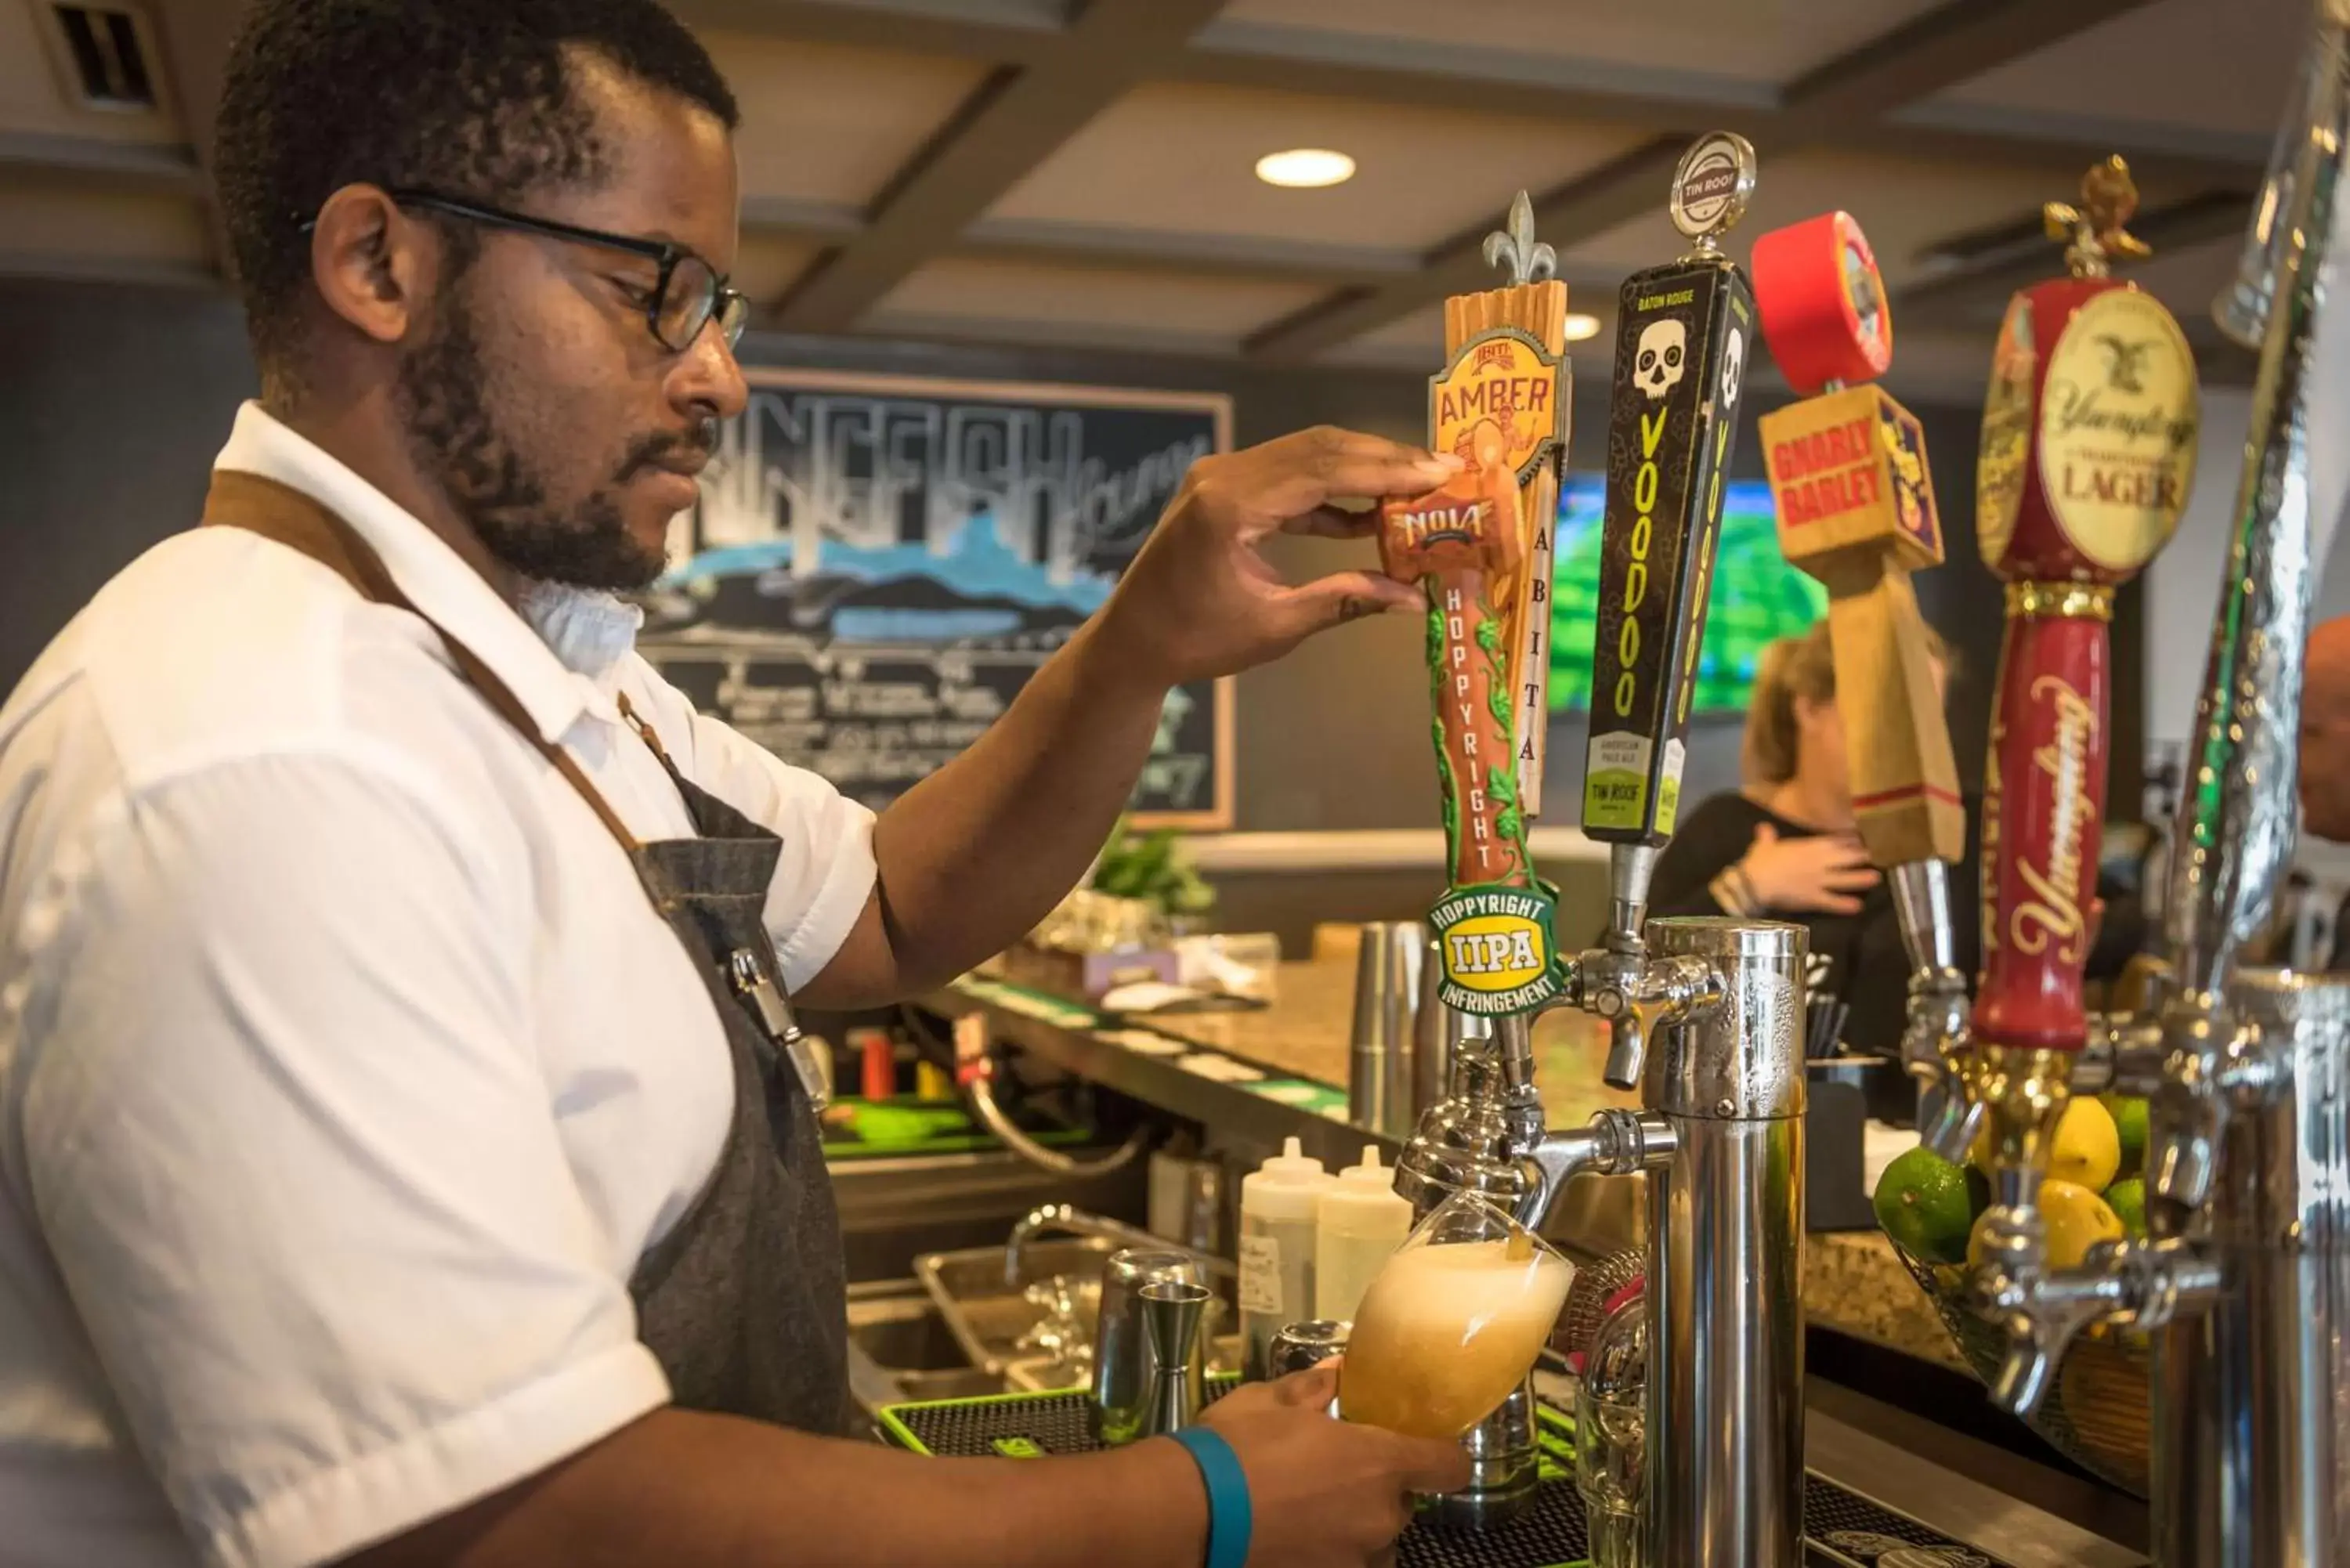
1844	1529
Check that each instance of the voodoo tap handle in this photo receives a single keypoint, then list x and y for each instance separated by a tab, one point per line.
1682	335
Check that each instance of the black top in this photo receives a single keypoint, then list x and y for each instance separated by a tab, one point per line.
1856	958
1859	957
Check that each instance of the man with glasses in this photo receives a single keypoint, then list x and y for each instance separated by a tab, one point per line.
403	1155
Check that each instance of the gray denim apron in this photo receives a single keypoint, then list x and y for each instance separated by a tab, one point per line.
743	1302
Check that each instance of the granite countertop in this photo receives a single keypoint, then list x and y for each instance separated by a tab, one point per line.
1852	1280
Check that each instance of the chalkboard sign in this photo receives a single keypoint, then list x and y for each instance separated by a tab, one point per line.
877	565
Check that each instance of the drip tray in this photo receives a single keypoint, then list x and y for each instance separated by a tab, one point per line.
1844	1529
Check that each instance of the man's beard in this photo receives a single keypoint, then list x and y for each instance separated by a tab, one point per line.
445	399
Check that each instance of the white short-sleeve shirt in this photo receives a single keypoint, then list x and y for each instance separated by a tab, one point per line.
345	1071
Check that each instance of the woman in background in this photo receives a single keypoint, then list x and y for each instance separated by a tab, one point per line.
1784	847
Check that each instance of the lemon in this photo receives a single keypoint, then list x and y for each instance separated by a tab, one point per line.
1923	1203
2076	1219
2087	1150
2127	1201
2129	1121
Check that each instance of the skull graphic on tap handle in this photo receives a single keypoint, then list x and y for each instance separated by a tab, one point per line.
1663	357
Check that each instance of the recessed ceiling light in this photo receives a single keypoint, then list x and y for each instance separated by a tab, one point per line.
1580	327
1305	168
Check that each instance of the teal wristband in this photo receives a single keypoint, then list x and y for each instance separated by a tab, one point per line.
1231	1523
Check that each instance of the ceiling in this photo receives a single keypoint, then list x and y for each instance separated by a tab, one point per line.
1081	173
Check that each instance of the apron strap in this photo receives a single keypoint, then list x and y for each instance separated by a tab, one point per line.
287	517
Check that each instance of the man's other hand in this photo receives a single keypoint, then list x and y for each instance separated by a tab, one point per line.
1327	1494
1199	599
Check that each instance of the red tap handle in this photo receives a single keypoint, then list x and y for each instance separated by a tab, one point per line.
2087	455
2044	815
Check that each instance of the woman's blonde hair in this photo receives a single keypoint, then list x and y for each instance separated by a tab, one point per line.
1793	668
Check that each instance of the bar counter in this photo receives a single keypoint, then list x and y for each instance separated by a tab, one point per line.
1266	1073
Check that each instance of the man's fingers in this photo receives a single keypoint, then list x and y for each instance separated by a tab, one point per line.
1334	523
1848	880
1291	476
1343	597
1765	833
1434	1464
1315	1386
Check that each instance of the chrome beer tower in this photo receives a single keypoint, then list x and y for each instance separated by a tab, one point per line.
2244	1283
1704	1015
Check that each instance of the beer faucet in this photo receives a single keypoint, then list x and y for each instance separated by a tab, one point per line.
2088	448
1703	1014
2244	1283
1480	547
1683	331
1856	509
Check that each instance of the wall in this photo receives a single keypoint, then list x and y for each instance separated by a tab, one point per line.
115	399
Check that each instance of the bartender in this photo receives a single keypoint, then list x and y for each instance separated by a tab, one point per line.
398	1163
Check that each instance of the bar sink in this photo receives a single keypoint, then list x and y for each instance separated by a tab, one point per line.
1044	1314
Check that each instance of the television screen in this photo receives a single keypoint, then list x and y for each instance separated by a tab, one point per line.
1757	595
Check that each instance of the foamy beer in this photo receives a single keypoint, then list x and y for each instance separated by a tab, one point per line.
1452	1323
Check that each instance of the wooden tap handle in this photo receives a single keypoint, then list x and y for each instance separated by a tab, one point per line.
2043	816
1460	542
1905	781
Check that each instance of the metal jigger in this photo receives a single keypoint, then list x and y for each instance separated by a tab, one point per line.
1387	971
1172	1313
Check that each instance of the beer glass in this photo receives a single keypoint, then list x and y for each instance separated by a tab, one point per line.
1452	1321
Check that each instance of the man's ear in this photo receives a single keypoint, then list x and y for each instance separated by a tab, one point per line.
373	266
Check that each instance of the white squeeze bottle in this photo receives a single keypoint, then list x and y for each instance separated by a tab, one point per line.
1278	1200
1358	1226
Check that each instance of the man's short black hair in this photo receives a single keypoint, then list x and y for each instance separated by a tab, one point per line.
465	97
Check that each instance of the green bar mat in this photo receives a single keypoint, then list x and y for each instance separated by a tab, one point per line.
1844	1529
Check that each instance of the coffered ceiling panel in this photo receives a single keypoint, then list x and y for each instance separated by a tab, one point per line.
1142	310
34	98
1753	40
1183	157
2213	66
830	125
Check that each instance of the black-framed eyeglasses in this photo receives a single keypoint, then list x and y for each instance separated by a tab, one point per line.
688	293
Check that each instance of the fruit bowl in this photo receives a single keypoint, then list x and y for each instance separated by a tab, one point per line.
2097	1415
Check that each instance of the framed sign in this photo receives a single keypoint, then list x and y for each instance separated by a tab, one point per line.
878	564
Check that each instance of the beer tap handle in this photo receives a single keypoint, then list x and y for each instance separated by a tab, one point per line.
1458	542
1856	511
1683	335
2067	510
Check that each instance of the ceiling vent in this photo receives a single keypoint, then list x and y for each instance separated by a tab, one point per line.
105	50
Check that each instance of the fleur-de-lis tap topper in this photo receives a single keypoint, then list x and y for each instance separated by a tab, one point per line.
2095	228
1516	251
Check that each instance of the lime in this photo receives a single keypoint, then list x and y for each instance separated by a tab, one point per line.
1923	1204
2128	1112
2127	1198
2087	1149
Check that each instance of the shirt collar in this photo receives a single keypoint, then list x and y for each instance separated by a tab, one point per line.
560	655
